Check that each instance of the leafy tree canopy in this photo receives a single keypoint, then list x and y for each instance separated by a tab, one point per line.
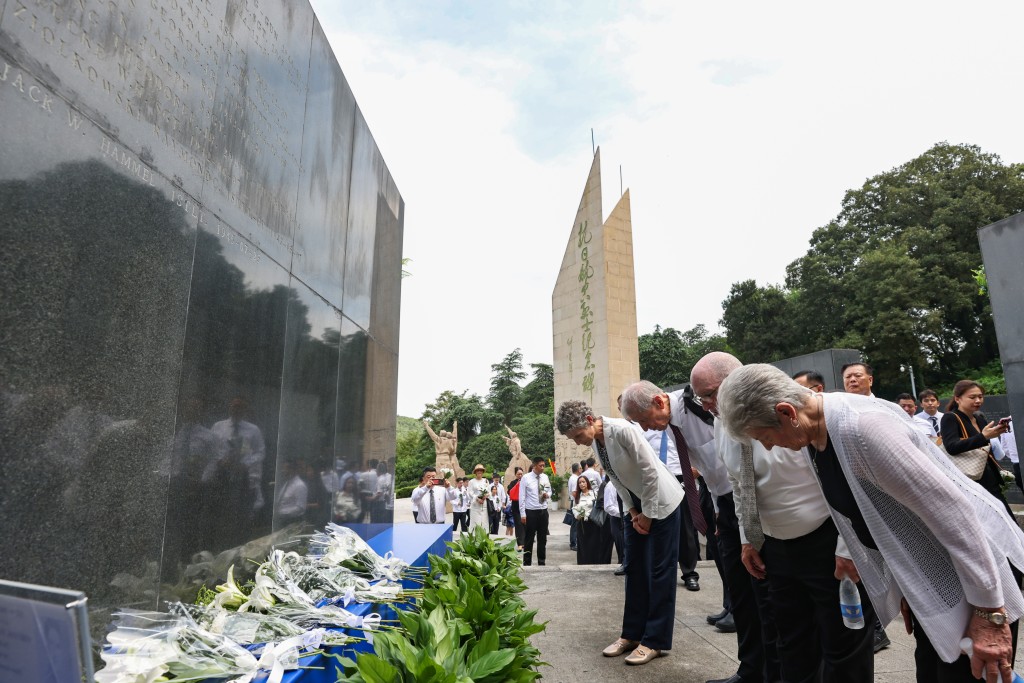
892	275
667	355
505	392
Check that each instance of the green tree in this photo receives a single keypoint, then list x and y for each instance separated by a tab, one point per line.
487	449
505	392
450	407
756	320
536	435
893	273
539	394
667	355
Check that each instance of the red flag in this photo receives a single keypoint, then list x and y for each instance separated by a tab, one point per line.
552	463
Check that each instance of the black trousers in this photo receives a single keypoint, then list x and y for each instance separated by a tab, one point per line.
689	546
756	639
536	527
707	508
650	609
519	527
460	518
615	525
804	596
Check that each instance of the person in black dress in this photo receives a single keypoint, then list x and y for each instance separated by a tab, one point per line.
588	539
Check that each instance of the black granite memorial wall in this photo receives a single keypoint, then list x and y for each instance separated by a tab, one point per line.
199	290
1002	249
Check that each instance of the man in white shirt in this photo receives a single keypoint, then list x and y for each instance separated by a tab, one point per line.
930	414
590	472
573	478
292	494
429	498
499	499
665	443
534	493
242	446
653	409
460	505
858	378
801	552
909	405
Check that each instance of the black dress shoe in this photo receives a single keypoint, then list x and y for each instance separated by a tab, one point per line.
620	570
715	618
881	639
726	624
735	678
691	584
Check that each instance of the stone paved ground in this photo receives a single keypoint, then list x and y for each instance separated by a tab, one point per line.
583	608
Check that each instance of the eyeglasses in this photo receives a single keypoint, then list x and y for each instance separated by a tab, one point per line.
710	396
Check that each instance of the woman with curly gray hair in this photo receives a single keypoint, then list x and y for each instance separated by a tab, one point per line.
652	496
925	539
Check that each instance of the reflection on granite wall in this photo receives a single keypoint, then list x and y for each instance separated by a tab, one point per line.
199	293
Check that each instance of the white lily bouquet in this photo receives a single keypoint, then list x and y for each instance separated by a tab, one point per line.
581	510
446	473
340	546
150	646
483	495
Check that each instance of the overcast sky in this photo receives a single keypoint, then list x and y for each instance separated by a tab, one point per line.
738	127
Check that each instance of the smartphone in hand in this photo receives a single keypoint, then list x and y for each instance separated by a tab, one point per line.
1006	422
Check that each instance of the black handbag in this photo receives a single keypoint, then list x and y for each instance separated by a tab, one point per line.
568	519
597	513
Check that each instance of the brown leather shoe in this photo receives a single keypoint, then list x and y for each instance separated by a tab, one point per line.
619	647
642	655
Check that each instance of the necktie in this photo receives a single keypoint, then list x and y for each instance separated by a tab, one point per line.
688	484
747	498
664	447
433	508
935	425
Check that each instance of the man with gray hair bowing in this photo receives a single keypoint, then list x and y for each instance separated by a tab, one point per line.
687	424
791	547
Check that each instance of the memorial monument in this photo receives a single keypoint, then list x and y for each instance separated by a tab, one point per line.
200	278
593	310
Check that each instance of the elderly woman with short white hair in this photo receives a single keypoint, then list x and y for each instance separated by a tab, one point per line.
918	529
652	496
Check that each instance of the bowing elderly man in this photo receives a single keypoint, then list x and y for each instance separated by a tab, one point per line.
688	426
791	547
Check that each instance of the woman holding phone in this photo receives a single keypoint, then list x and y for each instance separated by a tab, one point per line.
964	427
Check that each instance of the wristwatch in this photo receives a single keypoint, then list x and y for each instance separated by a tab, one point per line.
997	618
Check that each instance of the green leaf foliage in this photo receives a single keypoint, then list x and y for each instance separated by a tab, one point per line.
667	355
470	625
894	274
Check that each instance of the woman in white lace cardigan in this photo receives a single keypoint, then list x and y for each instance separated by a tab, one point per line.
917	528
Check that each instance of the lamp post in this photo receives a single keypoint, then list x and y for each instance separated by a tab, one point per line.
913	387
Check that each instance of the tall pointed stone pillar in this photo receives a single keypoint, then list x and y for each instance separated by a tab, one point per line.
593	310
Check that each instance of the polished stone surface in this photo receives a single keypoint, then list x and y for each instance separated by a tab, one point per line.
1002	249
200	287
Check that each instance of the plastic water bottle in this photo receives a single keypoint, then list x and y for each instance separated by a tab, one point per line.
967	647
849	604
